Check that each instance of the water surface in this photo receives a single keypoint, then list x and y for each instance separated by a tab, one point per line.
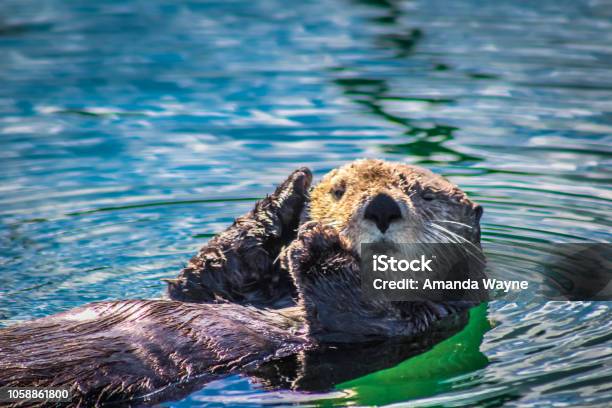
132	131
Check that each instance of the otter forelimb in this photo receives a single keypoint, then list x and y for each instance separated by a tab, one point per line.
239	264
327	273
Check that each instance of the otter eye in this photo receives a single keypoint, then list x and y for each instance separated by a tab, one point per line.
428	196
337	192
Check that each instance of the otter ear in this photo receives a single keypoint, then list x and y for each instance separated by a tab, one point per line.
478	210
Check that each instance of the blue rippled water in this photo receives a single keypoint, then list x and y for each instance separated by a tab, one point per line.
132	131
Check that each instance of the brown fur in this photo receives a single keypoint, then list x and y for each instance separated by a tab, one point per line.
340	198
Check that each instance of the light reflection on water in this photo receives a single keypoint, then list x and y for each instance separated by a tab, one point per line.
133	131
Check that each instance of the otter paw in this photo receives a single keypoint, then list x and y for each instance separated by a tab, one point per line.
281	210
317	237
298	182
315	242
293	189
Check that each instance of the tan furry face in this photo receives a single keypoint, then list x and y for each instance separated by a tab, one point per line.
374	201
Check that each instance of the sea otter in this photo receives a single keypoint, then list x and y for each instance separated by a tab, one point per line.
364	201
283	279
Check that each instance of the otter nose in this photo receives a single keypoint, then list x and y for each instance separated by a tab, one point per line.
382	210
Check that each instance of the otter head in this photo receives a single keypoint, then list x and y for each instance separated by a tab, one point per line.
370	201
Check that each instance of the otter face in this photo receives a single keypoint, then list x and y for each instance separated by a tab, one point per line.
375	201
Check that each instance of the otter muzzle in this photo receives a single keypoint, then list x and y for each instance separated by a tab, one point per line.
382	210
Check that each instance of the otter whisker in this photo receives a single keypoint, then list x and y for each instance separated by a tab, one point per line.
450	233
447	235
455	222
472	249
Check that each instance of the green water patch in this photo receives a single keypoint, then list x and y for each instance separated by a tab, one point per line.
204	235
430	151
426	374
427	143
482	75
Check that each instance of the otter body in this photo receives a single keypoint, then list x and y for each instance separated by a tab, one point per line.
114	351
281	280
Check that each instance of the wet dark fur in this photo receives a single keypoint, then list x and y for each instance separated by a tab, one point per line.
112	351
239	264
140	352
